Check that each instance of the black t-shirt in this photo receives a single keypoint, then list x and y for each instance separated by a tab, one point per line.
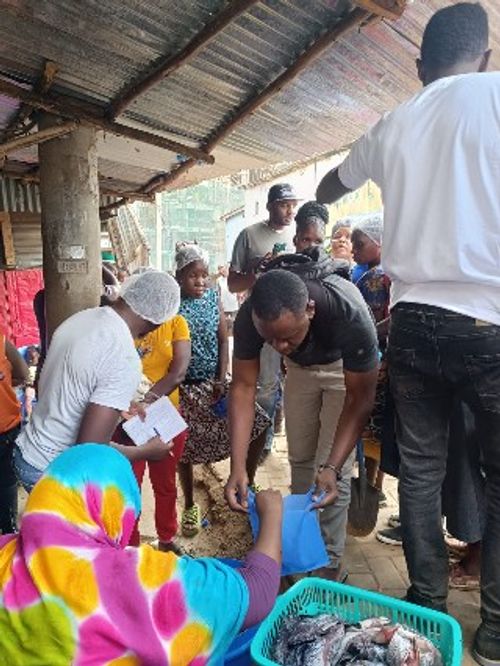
342	328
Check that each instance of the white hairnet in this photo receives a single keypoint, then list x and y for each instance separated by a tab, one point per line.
186	253
153	295
372	226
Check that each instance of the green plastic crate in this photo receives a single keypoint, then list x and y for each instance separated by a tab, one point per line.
312	596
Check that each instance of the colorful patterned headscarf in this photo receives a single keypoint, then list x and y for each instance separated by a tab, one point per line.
71	592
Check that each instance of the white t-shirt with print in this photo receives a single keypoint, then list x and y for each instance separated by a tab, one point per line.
91	359
436	159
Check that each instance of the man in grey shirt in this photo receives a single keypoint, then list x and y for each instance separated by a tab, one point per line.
253	248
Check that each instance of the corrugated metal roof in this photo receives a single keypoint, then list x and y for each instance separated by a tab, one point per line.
102	45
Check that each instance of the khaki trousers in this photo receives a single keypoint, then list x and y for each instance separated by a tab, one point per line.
314	398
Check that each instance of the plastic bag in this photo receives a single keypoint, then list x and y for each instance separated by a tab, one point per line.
303	546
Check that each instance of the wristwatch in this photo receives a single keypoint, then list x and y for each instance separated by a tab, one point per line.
334	468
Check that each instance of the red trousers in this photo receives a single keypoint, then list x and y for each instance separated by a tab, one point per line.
163	480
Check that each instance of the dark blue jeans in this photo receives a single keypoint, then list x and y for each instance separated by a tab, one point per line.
435	357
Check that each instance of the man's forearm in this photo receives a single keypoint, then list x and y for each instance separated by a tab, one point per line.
331	188
352	421
241	415
238	282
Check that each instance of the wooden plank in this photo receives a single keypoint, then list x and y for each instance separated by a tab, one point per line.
50	70
168	64
7	240
389	9
37	137
68	108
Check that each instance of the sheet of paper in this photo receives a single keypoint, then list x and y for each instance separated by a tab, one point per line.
162	417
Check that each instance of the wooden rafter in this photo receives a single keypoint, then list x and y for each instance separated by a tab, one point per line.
68	108
351	22
50	70
389	9
32	176
168	64
37	137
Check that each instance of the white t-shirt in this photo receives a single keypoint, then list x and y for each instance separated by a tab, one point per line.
436	159
91	359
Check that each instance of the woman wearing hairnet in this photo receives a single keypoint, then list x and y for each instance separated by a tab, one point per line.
91	373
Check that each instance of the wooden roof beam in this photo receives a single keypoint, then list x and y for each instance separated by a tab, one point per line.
389	9
339	29
166	65
36	137
50	70
68	108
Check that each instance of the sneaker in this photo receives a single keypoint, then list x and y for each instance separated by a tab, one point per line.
391	536
486	647
382	499
394	520
191	521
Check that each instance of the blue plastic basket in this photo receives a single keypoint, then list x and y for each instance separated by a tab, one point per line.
312	596
239	650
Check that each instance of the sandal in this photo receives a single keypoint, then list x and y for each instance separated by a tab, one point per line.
191	521
460	580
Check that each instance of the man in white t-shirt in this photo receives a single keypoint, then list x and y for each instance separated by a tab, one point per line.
91	373
437	161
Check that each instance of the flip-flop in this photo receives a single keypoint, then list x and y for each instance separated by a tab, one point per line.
459	580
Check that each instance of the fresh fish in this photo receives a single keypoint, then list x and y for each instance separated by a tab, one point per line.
357	646
326	640
408	648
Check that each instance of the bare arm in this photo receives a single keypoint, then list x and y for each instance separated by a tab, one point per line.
238	282
99	423
20	371
241	414
270	508
331	188
358	405
176	371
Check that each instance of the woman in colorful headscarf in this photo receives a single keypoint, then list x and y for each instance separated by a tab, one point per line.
71	592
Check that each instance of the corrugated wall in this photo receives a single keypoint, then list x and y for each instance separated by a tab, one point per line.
22	201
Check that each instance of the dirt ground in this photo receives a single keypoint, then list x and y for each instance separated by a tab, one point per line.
226	534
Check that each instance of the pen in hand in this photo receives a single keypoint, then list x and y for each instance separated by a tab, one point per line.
155	430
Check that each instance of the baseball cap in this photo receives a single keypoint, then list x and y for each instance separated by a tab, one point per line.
282	192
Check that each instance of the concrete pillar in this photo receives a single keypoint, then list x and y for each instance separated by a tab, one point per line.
69	193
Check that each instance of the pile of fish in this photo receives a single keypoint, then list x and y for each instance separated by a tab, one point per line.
326	640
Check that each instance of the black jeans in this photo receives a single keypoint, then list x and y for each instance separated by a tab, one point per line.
8	483
436	357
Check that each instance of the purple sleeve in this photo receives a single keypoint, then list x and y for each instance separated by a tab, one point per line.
262	576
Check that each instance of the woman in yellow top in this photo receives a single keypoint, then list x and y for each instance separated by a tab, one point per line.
13	372
165	355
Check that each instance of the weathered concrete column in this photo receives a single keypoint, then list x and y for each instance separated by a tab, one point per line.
69	192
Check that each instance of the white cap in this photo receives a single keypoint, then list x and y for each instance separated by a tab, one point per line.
153	295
